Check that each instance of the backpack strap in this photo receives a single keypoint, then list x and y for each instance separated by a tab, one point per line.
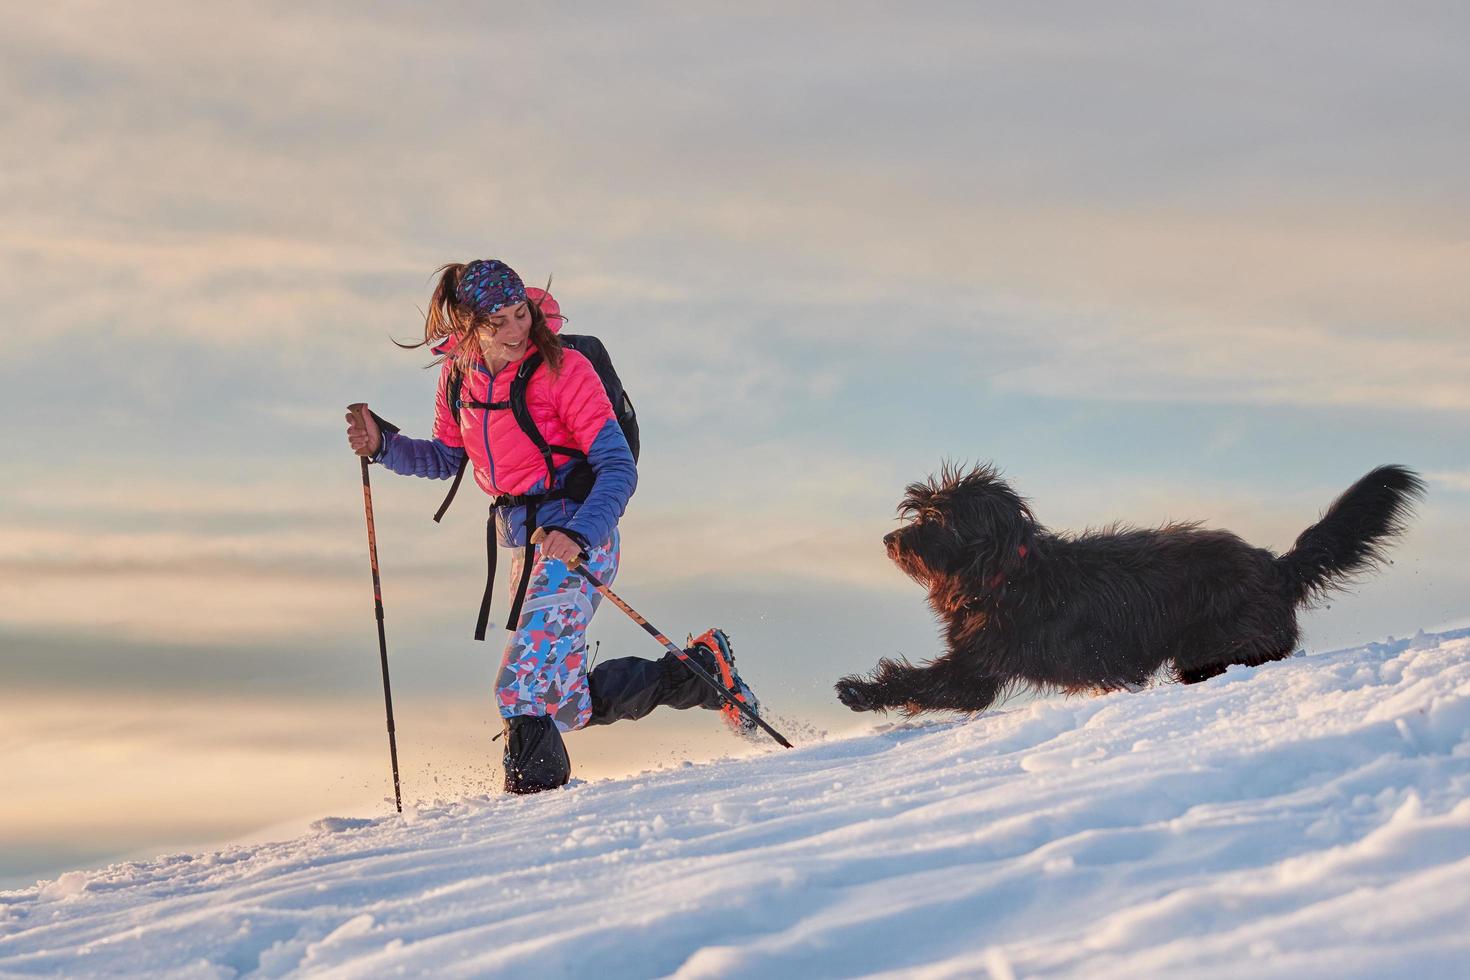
452	392
490	553
530	501
522	411
453	489
522	414
528	559
456	402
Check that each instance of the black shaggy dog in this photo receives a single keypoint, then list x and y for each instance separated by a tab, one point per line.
1105	609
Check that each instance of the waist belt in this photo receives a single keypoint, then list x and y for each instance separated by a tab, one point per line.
530	501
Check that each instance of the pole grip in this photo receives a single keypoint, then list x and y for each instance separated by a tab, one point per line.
363	413
539	535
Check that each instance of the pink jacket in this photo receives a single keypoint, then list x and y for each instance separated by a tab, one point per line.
570	410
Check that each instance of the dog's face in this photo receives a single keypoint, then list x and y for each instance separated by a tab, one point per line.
961	524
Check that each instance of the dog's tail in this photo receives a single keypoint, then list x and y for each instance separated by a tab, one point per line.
1354	535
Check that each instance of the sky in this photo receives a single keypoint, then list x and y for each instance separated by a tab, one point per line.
1157	261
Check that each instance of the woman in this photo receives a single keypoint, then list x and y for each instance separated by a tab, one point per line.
559	507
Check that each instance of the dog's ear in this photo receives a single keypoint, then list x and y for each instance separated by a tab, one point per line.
1010	537
991	556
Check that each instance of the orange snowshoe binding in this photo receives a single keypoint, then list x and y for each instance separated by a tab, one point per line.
716	644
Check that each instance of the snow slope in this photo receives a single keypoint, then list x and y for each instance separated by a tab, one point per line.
1306	819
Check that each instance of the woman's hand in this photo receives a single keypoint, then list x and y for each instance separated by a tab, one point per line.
363	434
555	544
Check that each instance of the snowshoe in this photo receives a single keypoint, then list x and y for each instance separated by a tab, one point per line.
716	644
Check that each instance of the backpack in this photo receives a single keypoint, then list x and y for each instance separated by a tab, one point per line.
579	482
592	349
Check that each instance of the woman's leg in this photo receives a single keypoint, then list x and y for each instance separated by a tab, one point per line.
542	685
544	669
629	688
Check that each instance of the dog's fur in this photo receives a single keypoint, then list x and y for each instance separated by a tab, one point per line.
1104	610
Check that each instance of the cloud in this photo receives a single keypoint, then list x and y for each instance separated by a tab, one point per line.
242	210
1453	480
1254	305
187	560
1282	363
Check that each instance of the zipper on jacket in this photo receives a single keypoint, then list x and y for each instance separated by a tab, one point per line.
485	421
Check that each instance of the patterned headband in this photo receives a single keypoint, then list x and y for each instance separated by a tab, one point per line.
488	285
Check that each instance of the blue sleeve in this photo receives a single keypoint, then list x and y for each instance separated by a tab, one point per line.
419	457
617	477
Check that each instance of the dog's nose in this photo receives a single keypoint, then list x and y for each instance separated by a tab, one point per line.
890	538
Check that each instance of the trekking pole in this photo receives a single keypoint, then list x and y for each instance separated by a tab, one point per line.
372	534
699	671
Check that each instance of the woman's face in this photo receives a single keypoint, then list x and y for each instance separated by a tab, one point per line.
503	334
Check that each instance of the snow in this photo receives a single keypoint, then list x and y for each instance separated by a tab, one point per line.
1308	818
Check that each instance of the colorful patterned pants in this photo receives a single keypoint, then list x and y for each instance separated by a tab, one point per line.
544	670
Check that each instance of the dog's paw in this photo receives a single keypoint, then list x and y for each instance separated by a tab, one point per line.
856	693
